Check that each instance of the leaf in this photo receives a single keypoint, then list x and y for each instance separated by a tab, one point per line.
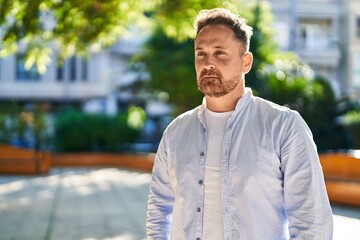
39	56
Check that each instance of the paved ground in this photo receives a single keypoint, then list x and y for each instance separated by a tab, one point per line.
92	204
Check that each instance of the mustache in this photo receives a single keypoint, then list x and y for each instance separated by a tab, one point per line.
210	72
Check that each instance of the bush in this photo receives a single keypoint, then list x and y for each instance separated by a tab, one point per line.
352	124
77	131
294	85
24	125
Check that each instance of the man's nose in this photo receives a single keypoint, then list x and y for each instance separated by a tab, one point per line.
209	64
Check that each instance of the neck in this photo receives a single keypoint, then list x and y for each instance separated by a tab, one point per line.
225	103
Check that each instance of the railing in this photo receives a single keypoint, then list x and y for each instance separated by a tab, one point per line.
321	52
316	43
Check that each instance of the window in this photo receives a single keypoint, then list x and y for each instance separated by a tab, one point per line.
312	36
23	74
73	69
84	69
358	26
282	36
356	71
60	72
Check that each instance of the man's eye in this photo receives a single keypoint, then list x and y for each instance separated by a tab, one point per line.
200	54
219	53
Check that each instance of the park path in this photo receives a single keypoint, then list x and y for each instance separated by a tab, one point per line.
94	204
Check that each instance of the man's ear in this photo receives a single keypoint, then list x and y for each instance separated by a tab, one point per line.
248	60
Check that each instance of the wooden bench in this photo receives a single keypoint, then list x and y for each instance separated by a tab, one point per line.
14	160
342	176
142	162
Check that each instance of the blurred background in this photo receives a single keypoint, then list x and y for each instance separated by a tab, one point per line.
108	76
68	68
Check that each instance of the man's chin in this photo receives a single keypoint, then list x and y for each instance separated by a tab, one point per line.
213	94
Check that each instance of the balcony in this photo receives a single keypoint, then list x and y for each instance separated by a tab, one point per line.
53	90
320	51
318	8
308	8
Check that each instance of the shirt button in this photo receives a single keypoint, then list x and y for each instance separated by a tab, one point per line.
201	182
198	209
202	154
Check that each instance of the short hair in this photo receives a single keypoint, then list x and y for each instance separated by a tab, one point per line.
221	16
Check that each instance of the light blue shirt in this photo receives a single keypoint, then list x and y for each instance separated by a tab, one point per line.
272	185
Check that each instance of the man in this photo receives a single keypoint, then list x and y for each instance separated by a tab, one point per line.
236	167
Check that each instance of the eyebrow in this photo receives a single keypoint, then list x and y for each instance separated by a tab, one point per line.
216	47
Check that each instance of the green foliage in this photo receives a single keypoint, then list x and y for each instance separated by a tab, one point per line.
175	17
76	131
77	26
24	126
292	84
264	49
352	124
39	127
5	125
136	117
171	66
73	25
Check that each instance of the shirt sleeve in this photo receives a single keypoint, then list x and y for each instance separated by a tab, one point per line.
305	198
161	197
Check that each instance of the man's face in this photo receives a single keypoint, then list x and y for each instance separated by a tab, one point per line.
219	61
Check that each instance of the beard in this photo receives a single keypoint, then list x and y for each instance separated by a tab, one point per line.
211	83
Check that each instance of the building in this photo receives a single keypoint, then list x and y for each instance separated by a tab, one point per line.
326	35
350	67
91	84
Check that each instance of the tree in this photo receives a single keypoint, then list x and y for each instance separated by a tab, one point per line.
77	26
263	47
171	67
175	17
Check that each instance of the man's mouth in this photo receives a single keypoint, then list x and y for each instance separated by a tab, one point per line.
210	76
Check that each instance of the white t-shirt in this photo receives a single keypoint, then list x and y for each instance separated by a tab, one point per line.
213	219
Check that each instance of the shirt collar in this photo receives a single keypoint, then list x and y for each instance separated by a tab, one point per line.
244	100
240	105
